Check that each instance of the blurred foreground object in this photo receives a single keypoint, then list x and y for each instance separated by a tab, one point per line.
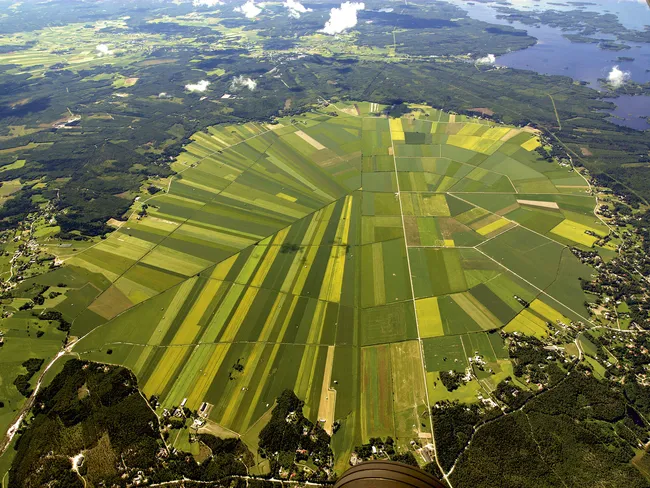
385	474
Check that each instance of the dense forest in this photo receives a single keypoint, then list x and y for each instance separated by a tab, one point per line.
97	411
583	432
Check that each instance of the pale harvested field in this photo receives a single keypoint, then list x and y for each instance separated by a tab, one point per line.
114	223
328	396
307	138
513	132
215	429
535	203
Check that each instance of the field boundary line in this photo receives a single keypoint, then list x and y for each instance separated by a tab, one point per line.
202	270
417	324
511	193
557	116
517	224
268	343
542	291
475	166
160	244
171	178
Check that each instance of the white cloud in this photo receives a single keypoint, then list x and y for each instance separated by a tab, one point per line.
343	18
295	8
201	86
489	59
617	77
207	3
103	50
249	9
239	82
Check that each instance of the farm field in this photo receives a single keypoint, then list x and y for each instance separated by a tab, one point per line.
336	255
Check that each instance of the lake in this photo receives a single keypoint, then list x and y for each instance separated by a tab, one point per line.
631	111
555	55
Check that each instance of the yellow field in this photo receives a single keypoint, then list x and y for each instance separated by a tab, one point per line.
166	322
305	380
495	133
264	267
575	232
289	198
396	130
240	314
487	143
548	312
489	228
206	377
429	320
343	228
192	368
186	334
333	279
528	324
464	141
531	144
469	129
251	264
165	369
234	402
487	146
270	362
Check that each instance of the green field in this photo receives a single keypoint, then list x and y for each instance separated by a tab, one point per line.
351	258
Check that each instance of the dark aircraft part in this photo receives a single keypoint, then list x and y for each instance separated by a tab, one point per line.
386	474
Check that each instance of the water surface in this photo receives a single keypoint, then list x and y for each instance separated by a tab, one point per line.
631	111
556	55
